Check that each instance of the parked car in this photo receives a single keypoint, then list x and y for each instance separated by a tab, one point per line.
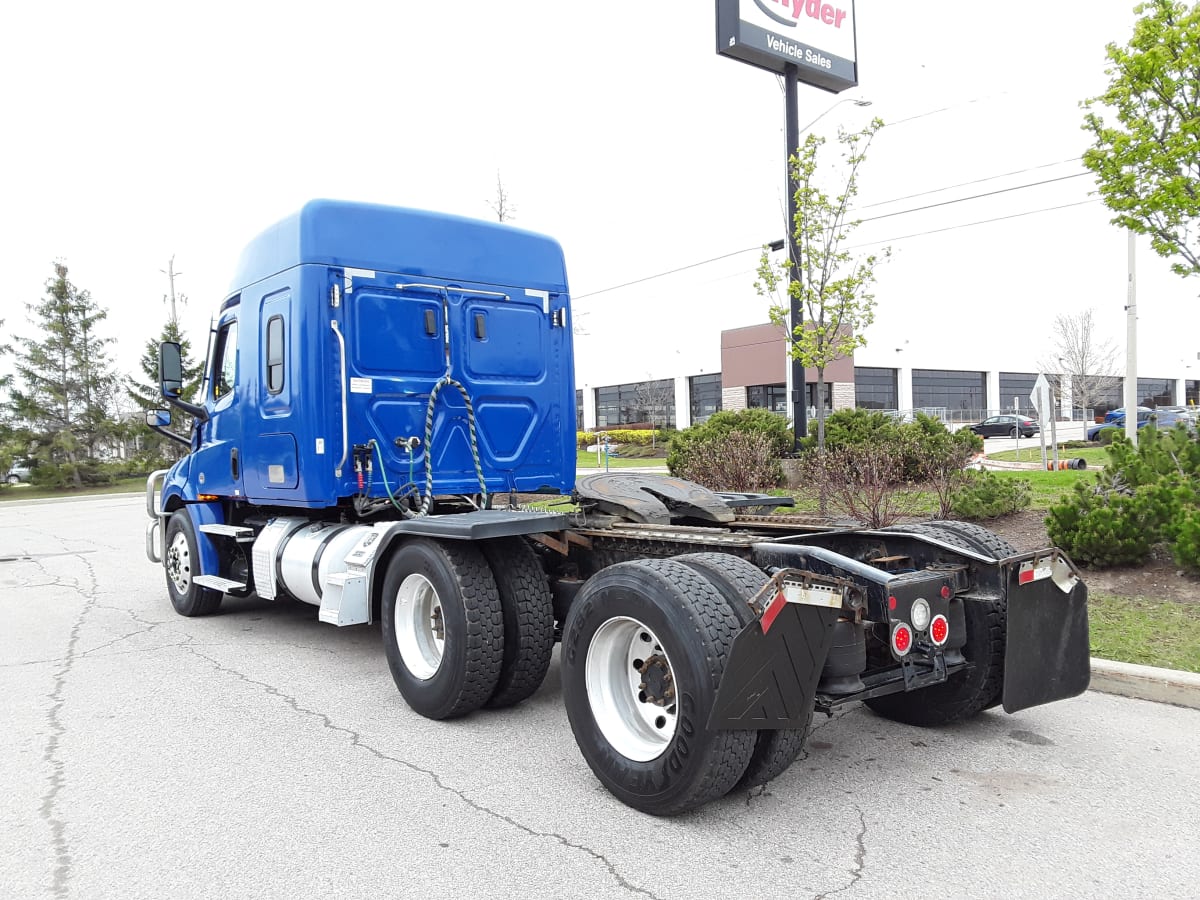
1160	419
18	474
1187	413
1005	426
1114	414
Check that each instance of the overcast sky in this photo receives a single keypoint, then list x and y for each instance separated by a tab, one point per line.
134	132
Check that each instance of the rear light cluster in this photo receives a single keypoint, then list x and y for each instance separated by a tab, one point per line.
904	634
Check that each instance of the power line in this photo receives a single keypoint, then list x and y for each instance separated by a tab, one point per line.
1018	187
703	262
951	187
713	259
1030	212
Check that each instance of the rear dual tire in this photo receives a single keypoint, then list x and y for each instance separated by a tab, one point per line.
967	693
644	649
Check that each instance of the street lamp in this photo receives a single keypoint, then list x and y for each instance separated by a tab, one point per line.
795	321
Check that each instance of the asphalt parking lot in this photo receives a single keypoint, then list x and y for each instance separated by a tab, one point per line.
258	753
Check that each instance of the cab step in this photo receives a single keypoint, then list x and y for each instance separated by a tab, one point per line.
217	583
238	532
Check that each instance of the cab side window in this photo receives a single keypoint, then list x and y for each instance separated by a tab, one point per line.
225	361
274	356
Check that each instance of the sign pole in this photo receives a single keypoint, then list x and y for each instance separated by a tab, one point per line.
791	82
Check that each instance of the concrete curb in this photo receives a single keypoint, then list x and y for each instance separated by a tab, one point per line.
1146	683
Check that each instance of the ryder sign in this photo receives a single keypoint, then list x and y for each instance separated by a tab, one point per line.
817	36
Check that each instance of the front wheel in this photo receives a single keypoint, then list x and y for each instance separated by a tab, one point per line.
644	650
13	479
182	564
442	627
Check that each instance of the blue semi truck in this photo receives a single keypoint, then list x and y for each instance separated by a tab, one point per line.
381	383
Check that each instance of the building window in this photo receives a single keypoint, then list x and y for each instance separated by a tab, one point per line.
636	403
875	388
962	395
810	397
275	354
1155	392
579	410
1191	392
705	395
768	396
1017	386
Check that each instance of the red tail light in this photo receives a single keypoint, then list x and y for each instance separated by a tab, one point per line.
902	639
939	629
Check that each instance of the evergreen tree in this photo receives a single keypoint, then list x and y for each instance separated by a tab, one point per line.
63	379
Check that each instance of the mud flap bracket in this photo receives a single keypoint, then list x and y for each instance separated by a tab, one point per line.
771	678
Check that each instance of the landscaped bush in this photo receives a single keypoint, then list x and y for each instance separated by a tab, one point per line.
747	421
734	461
982	495
860	481
927	445
637	436
1145	495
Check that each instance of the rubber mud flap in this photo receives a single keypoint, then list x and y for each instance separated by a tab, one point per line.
1047	655
771	678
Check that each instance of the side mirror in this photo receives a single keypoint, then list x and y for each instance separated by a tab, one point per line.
158	418
170	369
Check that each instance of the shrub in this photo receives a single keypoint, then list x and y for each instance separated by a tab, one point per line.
636	436
929	448
735	461
861	481
981	495
1145	495
748	421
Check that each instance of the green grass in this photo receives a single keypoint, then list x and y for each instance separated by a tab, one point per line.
1148	632
586	460
34	492
1047	488
1096	456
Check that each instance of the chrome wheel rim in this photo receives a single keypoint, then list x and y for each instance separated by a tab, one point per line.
420	626
631	688
179	563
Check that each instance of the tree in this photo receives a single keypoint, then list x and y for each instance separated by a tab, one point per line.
654	397
64	377
1078	354
831	284
1147	163
503	206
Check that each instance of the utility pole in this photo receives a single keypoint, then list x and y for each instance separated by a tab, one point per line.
1131	392
170	272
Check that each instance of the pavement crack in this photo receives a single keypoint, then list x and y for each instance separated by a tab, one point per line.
357	741
49	808
860	858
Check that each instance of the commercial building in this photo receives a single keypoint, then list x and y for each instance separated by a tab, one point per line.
753	373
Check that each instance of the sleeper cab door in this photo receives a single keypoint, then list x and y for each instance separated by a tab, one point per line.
274	473
218	462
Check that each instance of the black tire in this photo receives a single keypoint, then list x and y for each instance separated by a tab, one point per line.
13	479
528	619
695	627
976	537
965	694
181	563
1013	433
460	675
739	580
